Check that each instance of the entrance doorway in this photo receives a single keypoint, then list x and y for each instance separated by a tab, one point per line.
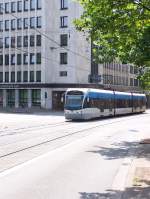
57	103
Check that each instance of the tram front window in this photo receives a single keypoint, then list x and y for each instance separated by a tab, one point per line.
73	102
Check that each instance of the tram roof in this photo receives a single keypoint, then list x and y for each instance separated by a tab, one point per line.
88	90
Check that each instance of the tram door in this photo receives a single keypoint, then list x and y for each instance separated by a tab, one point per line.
57	103
11	98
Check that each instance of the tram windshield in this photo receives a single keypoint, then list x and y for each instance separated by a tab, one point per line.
74	100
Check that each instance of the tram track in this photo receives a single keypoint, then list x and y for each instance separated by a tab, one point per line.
7	132
66	134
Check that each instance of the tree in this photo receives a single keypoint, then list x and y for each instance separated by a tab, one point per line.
120	29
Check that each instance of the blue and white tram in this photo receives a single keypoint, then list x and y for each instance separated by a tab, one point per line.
84	103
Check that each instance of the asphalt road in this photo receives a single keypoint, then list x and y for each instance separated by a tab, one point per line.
45	157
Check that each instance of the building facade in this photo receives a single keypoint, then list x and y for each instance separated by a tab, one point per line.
118	76
41	53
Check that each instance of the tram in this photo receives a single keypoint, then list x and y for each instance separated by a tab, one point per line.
87	103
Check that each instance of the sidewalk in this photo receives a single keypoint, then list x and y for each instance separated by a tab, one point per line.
33	110
138	181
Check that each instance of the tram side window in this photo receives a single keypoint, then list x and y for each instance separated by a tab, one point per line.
109	104
141	102
102	104
99	103
121	103
130	103
135	103
95	103
88	103
127	103
118	103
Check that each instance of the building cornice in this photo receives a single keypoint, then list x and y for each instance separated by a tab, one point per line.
46	85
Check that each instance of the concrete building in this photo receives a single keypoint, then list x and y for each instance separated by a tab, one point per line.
118	76
42	54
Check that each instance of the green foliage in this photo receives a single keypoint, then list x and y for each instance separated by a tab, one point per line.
120	29
145	80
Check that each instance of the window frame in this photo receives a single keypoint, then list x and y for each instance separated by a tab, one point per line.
64	21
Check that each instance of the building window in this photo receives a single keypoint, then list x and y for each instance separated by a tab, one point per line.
32	58
7	25
63	73
39	5
19	23
13	6
6	76
18	76
19	6
64	22
64	40
1	76
6	7
13	42
31	76
131	69
1	26
19	41
38	76
25	41
26	5
63	58
64	4
13	59
1	8
6	60
25	76
1	60
135	70
36	97
25	59
18	59
38	40
32	40
13	24
32	22
1	42
135	82
6	42
25	23
32	4
23	98
39	22
13	76
38	58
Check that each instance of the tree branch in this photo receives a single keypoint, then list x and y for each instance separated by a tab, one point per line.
140	4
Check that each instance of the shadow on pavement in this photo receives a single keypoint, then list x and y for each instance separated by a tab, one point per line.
128	193
117	151
142	189
121	150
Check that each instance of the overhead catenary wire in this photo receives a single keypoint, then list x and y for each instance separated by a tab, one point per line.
46	58
52	40
49	38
